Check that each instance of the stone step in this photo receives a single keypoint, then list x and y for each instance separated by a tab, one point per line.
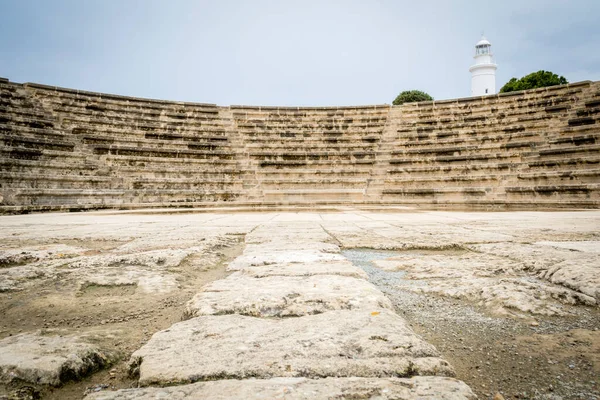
86	107
109	197
569	151
343	142
162	152
122	101
35	133
311	194
314	164
335	344
500	100
418	387
459	159
312	156
75	120
460	139
591	189
35	143
466	149
147	162
121	181
558	178
559	166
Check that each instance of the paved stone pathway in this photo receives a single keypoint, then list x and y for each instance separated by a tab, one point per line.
294	318
339	327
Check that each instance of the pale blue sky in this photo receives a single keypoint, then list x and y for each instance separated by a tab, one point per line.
299	52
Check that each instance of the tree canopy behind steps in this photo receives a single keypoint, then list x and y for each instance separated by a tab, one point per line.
410	96
534	80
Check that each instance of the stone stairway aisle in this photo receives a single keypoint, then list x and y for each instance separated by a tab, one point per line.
251	187
379	172
295	320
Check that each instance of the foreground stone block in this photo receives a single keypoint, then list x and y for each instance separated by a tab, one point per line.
419	387
342	268
337	343
501	284
265	255
286	296
571	264
49	360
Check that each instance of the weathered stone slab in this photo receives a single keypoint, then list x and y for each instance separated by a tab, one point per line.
276	253
576	266
286	296
418	387
500	284
153	271
49	360
337	343
582	275
586	246
342	268
430	266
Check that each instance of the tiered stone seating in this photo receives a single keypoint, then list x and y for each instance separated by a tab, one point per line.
138	151
69	149
511	149
311	155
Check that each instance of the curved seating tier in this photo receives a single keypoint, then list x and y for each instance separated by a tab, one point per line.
70	149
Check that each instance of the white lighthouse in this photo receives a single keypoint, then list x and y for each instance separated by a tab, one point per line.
483	72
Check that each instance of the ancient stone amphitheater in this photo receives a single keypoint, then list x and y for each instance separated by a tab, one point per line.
66	149
249	252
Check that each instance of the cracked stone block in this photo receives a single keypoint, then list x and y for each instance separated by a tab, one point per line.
378	343
286	296
49	360
418	387
343	268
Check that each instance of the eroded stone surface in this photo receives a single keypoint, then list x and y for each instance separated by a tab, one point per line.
49	360
342	268
419	387
501	284
286	296
336	343
151	271
559	263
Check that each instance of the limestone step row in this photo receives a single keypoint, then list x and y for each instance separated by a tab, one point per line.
72	121
116	197
191	144
481	122
35	133
337	326
584	176
419	387
454	138
142	131
589	192
343	142
85	107
120	101
466	130
117	181
124	118
549	96
496	135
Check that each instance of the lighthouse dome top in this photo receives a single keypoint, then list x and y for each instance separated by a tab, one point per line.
483	42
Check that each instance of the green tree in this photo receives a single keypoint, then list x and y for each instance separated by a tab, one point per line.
534	80
410	96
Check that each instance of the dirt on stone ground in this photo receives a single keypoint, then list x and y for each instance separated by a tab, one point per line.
119	317
553	358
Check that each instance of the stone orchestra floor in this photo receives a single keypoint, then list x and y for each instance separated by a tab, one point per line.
399	304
